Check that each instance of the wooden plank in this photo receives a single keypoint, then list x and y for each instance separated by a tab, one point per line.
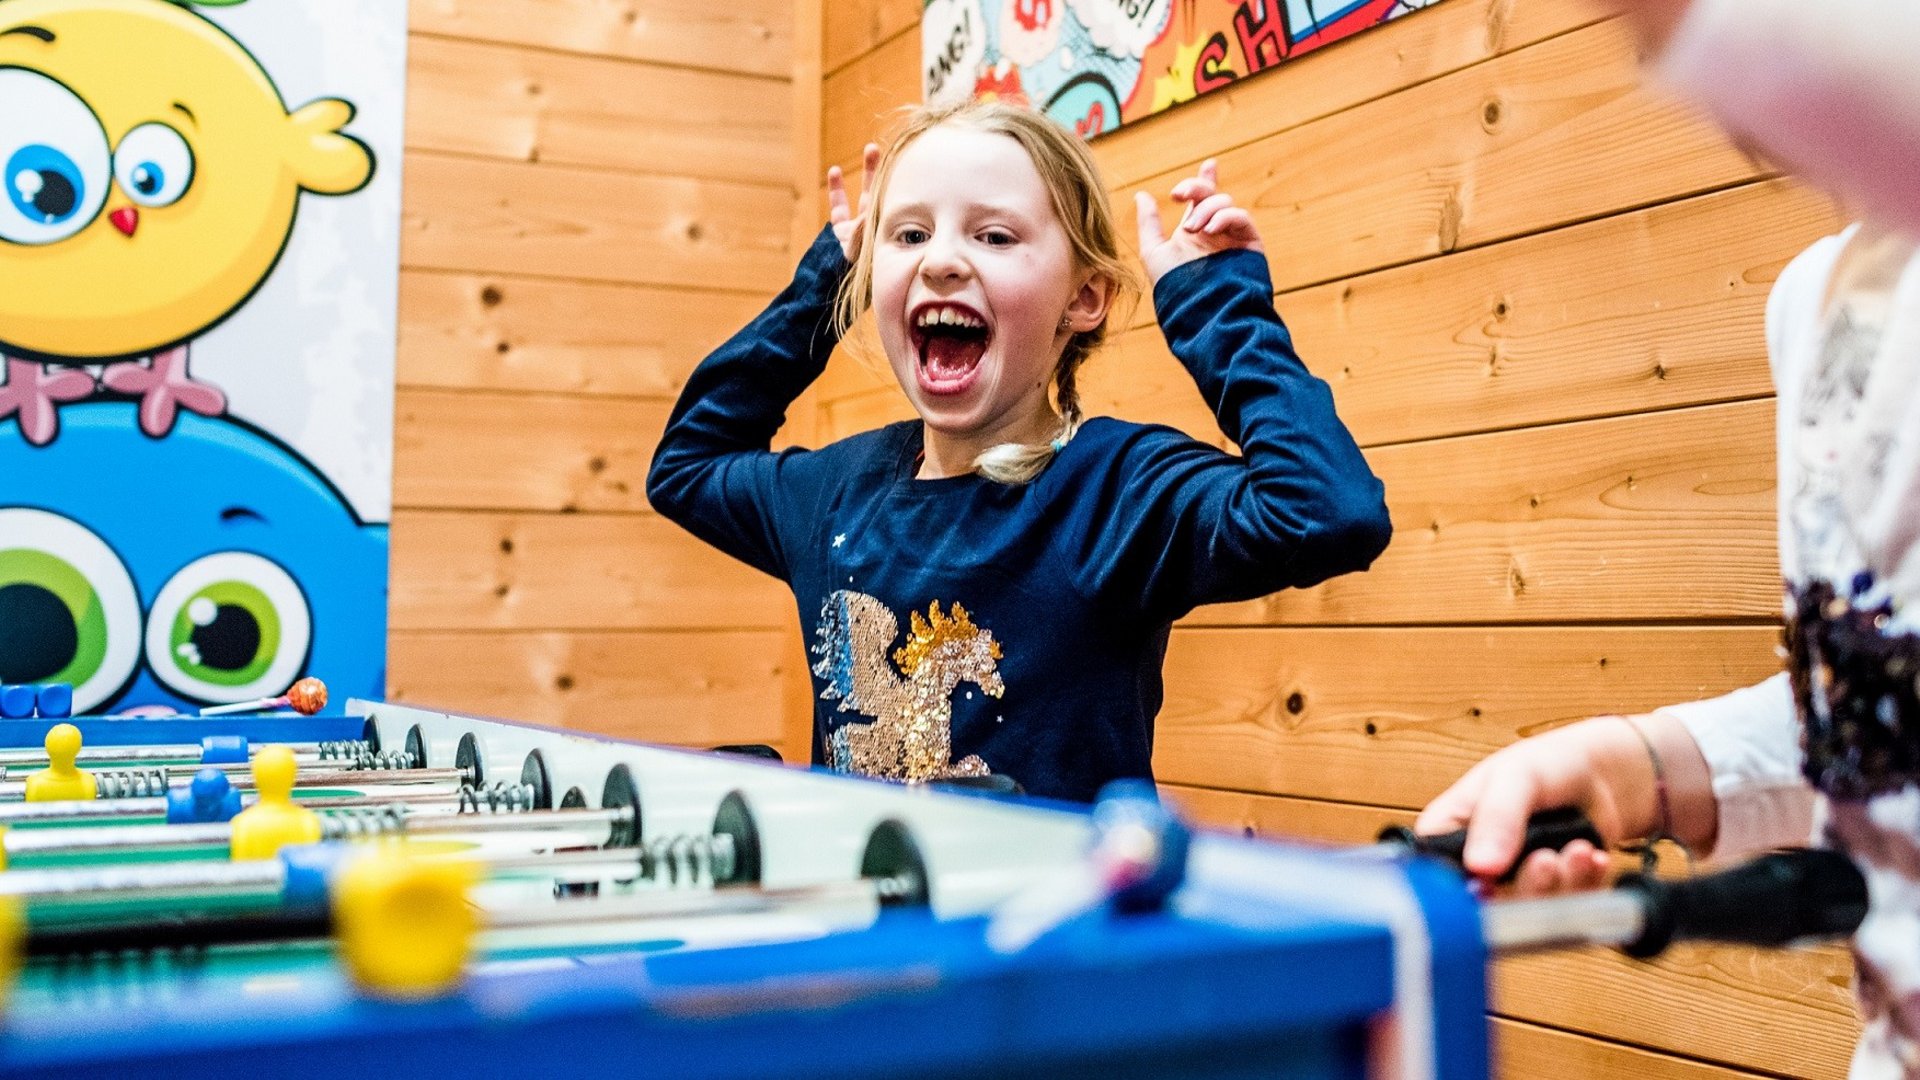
743	35
854	29
1787	1012
1528	1052
500	332
1525	332
689	689
1665	516
522	104
1406	52
861	98
507	451
1551	134
588	224
1391	717
1512	334
809	77
480	571
1274	817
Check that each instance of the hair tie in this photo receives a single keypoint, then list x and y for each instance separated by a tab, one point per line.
1059	445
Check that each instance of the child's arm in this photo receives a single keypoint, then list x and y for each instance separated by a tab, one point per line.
1300	505
712	471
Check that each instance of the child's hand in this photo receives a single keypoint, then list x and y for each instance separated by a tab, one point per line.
847	221
1212	223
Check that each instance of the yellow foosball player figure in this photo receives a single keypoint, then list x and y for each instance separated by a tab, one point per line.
61	781
273	821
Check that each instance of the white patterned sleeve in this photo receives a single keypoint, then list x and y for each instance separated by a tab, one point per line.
1751	741
1839	101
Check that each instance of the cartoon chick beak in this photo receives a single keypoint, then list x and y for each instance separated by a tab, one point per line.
126	219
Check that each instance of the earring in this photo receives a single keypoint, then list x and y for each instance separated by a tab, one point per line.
1065	322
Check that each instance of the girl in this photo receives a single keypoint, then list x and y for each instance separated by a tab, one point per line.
990	588
1835	739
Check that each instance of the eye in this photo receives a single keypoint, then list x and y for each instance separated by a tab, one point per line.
228	627
53	160
154	165
998	238
910	235
68	609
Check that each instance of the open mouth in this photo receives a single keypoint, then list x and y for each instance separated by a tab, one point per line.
949	340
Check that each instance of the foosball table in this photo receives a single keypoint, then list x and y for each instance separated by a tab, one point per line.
398	891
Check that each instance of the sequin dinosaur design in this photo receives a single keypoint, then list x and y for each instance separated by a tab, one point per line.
911	734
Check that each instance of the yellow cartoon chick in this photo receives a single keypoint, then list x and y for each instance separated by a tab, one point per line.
150	174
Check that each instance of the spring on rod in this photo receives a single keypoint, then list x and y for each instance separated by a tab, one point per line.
350	823
359	754
688	859
497	798
130	783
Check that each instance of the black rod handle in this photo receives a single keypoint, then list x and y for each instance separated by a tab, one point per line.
1548	830
1776	899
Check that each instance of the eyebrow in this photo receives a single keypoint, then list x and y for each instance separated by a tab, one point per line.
189	112
40	32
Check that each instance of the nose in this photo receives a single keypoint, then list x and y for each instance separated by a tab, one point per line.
126	219
944	261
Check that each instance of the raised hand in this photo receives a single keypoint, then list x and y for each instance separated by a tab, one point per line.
845	218
1211	224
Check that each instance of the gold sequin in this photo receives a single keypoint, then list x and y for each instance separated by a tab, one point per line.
911	735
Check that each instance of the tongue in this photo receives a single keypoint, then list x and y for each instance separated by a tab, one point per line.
949	356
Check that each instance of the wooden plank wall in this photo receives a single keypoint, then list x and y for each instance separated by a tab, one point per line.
1536	286
597	192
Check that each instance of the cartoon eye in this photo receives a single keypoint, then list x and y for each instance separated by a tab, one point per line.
68	609
154	165
228	627
53	160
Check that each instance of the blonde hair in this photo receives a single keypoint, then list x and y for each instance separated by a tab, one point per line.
1079	198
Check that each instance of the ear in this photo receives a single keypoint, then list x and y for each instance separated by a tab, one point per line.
324	160
1089	307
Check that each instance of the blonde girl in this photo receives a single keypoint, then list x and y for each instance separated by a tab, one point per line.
989	588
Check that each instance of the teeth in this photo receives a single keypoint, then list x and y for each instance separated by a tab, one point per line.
946	316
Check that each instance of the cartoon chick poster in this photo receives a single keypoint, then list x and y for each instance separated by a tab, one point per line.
199	254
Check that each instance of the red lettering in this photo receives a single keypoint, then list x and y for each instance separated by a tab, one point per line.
1094	123
1209	74
1263	38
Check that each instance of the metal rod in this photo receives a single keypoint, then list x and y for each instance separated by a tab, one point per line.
664	904
175	881
1610	918
34	755
89	840
415	797
16	790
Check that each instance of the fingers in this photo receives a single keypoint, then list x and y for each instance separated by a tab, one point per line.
837	208
869	164
1453	808
1203	183
1151	234
1235	223
1578	867
1201	213
1500	820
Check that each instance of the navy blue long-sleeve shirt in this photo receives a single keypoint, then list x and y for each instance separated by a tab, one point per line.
962	625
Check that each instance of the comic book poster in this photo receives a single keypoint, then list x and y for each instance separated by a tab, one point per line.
1096	64
199	255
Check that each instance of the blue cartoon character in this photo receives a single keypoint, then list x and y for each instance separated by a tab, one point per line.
151	173
212	566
